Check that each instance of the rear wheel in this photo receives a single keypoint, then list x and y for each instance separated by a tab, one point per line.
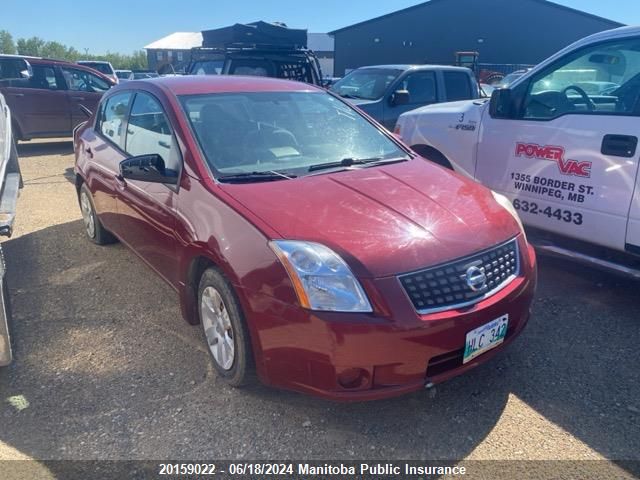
225	330
92	225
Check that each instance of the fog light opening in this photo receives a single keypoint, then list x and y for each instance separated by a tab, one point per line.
351	378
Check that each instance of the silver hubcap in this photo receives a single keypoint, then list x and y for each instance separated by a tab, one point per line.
87	215
217	327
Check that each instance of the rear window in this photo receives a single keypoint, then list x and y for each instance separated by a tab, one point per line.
457	86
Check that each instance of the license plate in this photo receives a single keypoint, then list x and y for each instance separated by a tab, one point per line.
484	338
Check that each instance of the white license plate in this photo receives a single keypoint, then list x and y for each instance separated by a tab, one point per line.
484	338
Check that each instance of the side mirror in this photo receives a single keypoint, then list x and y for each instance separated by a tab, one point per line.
147	168
501	103
400	97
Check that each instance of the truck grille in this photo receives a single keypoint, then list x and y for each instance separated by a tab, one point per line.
449	285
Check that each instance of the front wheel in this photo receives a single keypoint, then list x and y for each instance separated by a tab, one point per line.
225	329
92	225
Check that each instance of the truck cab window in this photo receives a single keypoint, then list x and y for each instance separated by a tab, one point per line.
601	79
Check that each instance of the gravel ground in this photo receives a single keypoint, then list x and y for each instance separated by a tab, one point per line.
107	369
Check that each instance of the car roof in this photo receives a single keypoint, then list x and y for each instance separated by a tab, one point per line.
94	61
52	61
203	84
415	67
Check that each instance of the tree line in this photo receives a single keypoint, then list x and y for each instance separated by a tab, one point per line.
38	47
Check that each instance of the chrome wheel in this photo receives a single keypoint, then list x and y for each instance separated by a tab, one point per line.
217	327
87	215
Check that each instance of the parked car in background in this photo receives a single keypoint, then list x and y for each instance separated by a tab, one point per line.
49	103
124	75
510	78
310	243
387	91
103	67
257	49
567	156
10	185
142	74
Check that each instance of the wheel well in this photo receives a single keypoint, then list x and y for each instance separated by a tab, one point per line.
15	130
432	154
79	181
196	269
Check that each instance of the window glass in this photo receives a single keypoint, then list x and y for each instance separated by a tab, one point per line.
283	131
457	86
600	79
149	132
99	66
421	87
207	67
83	81
112	117
43	78
180	56
10	68
365	83
159	55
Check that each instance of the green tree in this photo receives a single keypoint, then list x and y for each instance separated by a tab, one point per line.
6	43
30	46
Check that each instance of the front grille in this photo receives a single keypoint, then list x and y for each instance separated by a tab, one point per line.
446	286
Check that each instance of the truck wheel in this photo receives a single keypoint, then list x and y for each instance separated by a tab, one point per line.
92	225
225	329
432	155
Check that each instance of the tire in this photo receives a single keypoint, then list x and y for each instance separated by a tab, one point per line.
225	330
92	226
433	155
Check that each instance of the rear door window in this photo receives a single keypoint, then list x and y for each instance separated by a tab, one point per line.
44	78
457	86
112	116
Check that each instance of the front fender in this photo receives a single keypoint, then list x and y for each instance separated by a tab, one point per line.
451	128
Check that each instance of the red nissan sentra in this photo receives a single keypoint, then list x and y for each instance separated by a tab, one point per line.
313	247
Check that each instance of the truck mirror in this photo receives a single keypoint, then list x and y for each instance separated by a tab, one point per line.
500	104
400	97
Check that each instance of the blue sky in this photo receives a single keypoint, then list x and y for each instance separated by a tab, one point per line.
127	25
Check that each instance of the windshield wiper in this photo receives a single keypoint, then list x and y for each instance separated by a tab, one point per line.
347	162
248	177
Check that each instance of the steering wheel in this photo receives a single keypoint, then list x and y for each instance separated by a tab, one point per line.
590	105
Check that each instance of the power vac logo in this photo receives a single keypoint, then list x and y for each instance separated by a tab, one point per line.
554	154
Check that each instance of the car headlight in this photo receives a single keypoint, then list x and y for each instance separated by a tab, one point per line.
322	280
508	206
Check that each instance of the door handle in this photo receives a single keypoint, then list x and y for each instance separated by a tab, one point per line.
619	145
17	94
89	152
78	98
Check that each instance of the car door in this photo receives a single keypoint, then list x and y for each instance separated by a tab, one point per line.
422	89
147	211
83	88
103	148
567	159
458	86
39	105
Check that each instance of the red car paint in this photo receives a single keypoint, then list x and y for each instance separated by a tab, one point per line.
383	221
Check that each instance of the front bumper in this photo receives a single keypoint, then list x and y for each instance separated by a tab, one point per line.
356	357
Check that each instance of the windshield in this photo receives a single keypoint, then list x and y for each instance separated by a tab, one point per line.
123	74
207	67
287	132
101	67
366	83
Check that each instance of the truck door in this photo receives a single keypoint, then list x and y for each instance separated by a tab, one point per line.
567	155
421	86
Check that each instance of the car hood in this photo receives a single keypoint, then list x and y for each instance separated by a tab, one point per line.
383	220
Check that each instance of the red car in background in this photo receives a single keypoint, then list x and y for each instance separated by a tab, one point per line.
48	104
312	246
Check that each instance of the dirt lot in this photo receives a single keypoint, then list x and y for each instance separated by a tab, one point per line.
106	369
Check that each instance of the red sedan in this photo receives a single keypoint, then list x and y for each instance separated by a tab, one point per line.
315	249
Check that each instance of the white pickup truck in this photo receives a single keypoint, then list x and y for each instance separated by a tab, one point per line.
10	184
561	143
